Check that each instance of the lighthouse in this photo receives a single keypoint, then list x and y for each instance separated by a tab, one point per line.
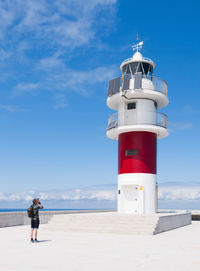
137	97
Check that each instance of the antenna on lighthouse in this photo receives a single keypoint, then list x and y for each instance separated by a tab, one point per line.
137	46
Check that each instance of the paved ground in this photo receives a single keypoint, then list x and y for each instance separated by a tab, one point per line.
177	250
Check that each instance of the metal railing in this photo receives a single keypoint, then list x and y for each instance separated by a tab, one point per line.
160	120
113	121
131	59
147	83
158	84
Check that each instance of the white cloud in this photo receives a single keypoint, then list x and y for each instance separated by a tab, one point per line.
58	72
60	101
4	55
11	108
188	109
70	195
8	108
64	23
26	196
175	126
171	196
23	88
179	192
59	80
50	63
167	192
40	38
3	197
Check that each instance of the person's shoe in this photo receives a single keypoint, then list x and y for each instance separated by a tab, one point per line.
32	241
36	241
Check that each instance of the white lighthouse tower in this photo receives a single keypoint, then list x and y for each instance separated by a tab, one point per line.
137	96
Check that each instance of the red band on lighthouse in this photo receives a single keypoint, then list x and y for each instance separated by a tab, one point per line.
137	152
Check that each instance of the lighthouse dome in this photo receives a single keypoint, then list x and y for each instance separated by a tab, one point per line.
137	63
137	56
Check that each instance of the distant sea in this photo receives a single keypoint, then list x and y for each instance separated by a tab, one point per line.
24	210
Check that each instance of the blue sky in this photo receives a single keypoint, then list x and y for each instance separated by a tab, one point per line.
56	58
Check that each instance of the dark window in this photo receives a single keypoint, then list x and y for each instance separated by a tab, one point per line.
132	68
126	69
136	67
147	68
131	106
131	152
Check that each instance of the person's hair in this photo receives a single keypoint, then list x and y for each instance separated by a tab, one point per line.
35	201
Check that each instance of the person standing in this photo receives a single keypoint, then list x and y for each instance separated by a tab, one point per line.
35	221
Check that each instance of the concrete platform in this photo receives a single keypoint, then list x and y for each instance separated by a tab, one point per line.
112	222
10	219
176	250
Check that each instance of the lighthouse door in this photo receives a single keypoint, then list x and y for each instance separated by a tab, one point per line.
130	111
131	199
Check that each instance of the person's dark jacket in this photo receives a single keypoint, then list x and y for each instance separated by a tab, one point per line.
36	208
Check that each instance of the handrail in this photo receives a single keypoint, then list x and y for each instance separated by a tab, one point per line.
159	84
143	58
112	121
148	83
160	120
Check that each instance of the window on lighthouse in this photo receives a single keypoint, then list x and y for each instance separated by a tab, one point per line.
131	152
135	67
131	106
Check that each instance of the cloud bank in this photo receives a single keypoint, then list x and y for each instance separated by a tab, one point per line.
43	43
172	192
99	194
62	23
173	195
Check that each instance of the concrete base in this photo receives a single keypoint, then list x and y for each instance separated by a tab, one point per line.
112	222
12	219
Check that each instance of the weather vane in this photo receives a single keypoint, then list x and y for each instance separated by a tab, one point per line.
137	46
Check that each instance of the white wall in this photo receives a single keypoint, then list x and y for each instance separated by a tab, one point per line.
146	197
145	112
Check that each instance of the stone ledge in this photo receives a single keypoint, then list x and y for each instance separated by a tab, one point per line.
11	219
112	222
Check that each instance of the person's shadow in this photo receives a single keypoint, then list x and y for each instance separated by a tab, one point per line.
42	241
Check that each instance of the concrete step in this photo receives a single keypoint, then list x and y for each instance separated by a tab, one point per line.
100	219
81	216
102	225
96	224
117	223
122	231
127	229
109	223
101	230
